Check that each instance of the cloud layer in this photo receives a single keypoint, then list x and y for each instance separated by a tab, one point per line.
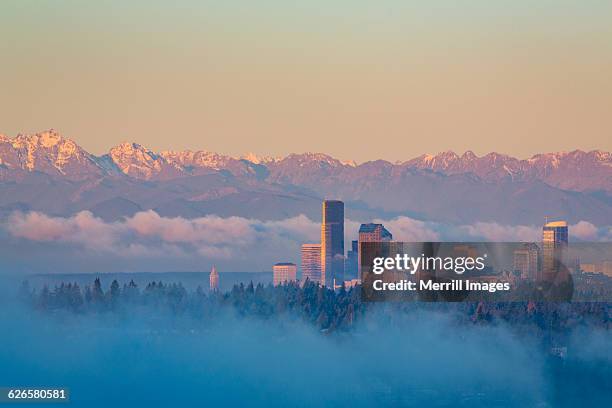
241	242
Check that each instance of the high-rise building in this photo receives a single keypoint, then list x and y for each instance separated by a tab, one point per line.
554	244
284	272
371	233
311	262
351	270
526	261
214	280
332	243
374	233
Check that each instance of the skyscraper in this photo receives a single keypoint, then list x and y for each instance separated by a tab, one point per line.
214	280
332	243
311	262
284	272
554	244
371	233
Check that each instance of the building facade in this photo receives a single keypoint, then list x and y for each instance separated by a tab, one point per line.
554	246
284	272
332	243
311	262
370	233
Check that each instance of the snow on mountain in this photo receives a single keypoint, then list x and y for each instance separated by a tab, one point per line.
189	159
577	170
139	162
47	172
50	153
47	152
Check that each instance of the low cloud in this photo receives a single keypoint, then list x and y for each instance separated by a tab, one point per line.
584	230
83	228
148	240
408	229
147	233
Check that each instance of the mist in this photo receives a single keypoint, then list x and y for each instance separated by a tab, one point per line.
150	358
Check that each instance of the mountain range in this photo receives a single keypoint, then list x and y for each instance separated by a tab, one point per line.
50	173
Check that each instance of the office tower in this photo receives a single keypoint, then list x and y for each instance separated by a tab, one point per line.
350	266
332	243
284	272
526	261
554	244
214	280
371	233
311	262
374	233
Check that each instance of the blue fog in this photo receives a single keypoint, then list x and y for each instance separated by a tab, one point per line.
424	359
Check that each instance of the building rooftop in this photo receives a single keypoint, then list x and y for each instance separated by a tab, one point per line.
556	224
372	228
284	264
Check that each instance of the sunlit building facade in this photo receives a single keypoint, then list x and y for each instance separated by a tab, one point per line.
371	233
284	272
554	245
311	262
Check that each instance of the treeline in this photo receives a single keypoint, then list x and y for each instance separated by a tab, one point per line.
328	310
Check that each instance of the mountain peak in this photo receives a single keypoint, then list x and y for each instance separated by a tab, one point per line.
47	139
48	152
469	155
136	160
255	159
129	148
51	153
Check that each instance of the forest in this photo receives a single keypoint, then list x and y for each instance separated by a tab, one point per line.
326	310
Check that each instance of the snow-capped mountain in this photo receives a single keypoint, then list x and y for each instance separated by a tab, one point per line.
139	162
48	172
47	152
50	153
577	170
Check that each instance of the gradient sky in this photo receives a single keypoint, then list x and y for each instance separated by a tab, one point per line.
355	79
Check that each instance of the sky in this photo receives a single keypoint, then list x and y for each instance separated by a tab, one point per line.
357	79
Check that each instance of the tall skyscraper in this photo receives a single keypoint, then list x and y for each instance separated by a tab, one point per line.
554	244
214	280
332	243
284	272
311	262
371	233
